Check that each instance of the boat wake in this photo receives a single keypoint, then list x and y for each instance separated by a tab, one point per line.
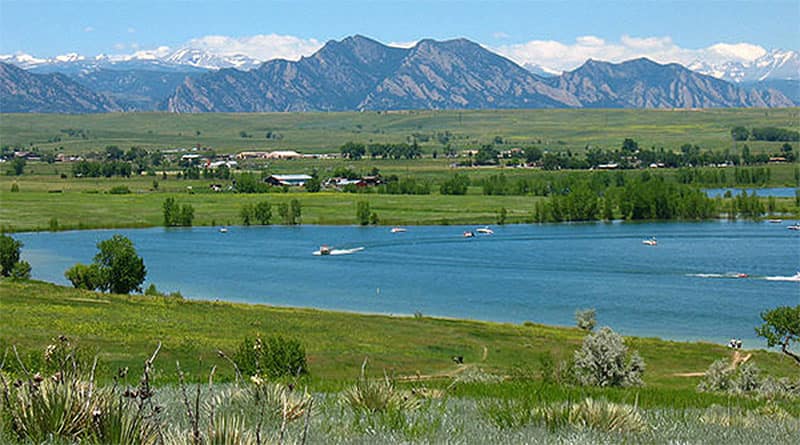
339	252
794	278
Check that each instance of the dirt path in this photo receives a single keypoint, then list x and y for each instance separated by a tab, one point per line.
737	359
460	368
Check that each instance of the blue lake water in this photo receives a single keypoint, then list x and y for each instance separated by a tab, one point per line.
777	192
541	273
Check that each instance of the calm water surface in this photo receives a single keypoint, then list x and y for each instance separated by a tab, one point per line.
540	273
777	192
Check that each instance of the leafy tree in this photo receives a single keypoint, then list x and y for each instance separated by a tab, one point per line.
782	327
487	155
353	150
295	211
533	154
457	185
17	167
629	145
313	185
177	215
603	361
362	212
84	276
170	210
9	254
122	269
739	133
246	214
186	215
263	212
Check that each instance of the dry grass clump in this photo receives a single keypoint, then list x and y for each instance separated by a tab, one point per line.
599	415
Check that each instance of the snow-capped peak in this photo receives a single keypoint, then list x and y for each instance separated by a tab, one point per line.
775	64
68	58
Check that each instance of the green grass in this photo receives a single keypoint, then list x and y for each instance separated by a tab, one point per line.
325	132
125	329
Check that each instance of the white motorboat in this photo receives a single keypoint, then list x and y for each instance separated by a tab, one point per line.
398	230
485	230
469	234
223	230
795	226
650	242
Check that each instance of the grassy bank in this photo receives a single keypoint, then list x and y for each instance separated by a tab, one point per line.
124	329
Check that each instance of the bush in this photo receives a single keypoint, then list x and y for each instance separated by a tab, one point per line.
177	215
457	185
21	271
263	212
119	190
14	187
85	277
718	378
598	415
362	213
586	319
603	361
246	214
275	356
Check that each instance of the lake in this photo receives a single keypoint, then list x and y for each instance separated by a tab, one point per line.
683	288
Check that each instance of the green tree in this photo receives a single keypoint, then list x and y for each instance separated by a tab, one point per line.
457	185
246	214
170	210
313	185
9	254
84	276
629	145
362	212
782	327
17	167
487	155
122	269
186	215
295	211
263	212
739	133
353	150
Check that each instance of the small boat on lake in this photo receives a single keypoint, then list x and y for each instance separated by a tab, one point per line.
774	221
650	242
223	230
324	250
485	230
742	275
795	226
469	234
398	230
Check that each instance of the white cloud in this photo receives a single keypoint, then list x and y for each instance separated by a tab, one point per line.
567	56
260	47
500	35
88	29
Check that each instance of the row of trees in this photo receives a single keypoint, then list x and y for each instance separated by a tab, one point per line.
261	213
176	215
355	150
741	133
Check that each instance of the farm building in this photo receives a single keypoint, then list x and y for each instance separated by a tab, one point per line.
289	180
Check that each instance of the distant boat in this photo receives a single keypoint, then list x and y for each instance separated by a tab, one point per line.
469	234
742	275
324	250
223	230
485	230
775	221
795	226
398	230
650	242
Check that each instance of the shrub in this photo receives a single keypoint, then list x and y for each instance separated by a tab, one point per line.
275	356
21	271
14	187
362	212
246	214
603	361
586	319
718	378
263	212
119	190
85	277
378	396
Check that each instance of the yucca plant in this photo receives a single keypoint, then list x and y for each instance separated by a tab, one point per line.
598	415
116	421
378	396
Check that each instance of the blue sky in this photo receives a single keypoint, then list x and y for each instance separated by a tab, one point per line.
49	28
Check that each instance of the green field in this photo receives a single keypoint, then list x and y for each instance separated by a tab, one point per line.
558	130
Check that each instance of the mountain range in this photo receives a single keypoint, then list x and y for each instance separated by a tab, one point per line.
358	73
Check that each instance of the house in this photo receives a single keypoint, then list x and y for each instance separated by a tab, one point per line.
343	182
287	180
252	155
284	154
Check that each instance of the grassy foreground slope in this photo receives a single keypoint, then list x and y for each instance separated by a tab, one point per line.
325	132
125	329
